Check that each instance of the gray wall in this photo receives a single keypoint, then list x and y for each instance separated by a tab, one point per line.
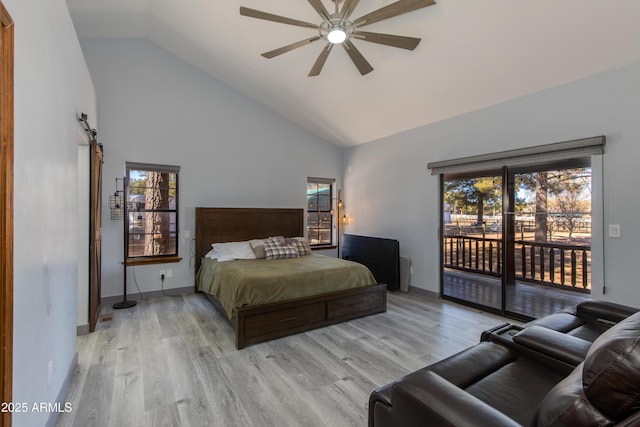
390	193
233	152
52	87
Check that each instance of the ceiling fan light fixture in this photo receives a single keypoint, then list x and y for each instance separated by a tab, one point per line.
337	35
338	28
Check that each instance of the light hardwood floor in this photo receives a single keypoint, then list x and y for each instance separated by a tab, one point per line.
171	362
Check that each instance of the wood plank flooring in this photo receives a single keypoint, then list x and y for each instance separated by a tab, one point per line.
171	362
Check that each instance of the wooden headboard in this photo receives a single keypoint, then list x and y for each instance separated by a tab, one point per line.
219	225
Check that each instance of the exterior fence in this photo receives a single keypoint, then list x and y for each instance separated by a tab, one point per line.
553	264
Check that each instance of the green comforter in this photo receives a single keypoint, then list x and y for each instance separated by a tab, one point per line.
252	282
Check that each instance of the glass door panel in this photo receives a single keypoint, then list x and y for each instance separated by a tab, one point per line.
552	239
472	263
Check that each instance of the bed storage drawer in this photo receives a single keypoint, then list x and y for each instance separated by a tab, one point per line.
348	306
266	323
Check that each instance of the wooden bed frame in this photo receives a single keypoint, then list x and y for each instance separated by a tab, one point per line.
268	321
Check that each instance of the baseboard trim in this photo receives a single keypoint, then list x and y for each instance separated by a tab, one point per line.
82	329
424	292
105	301
62	394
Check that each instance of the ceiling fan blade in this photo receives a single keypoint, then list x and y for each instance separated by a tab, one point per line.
348	7
363	66
290	47
394	9
319	7
322	58
402	42
245	11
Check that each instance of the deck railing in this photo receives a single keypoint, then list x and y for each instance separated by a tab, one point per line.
555	264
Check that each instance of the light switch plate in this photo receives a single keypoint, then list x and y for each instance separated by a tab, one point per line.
614	230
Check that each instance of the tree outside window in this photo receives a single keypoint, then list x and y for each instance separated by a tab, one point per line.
151	224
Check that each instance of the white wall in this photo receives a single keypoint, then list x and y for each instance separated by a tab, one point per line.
390	193
232	151
52	86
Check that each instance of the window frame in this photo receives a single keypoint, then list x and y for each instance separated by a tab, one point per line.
331	212
155	258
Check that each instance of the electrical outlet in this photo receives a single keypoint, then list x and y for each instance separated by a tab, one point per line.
169	273
163	274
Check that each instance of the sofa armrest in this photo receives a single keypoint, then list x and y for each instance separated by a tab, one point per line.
437	402
558	345
604	312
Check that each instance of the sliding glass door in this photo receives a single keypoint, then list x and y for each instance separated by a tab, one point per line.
472	238
518	240
551	245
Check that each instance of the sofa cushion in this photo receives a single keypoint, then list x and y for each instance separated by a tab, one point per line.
492	373
611	377
590	320
443	404
567	405
517	388
470	365
605	388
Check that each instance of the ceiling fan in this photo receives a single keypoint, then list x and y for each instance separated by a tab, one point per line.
337	29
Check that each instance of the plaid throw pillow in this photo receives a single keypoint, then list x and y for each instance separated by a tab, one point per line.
301	244
274	250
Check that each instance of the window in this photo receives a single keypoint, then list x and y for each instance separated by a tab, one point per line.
320	211
151	223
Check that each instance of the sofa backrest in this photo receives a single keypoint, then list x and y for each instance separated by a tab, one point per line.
611	373
605	388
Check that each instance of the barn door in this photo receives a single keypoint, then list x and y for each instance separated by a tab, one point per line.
95	224
6	211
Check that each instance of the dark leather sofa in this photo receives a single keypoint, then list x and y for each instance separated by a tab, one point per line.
589	320
565	336
553	376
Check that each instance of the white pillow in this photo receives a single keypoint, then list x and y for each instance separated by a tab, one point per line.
210	254
235	250
214	254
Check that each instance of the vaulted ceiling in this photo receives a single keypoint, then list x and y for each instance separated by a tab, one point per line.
473	53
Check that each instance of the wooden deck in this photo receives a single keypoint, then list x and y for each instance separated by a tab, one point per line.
525	299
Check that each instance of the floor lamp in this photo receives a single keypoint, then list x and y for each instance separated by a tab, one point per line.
125	303
339	206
